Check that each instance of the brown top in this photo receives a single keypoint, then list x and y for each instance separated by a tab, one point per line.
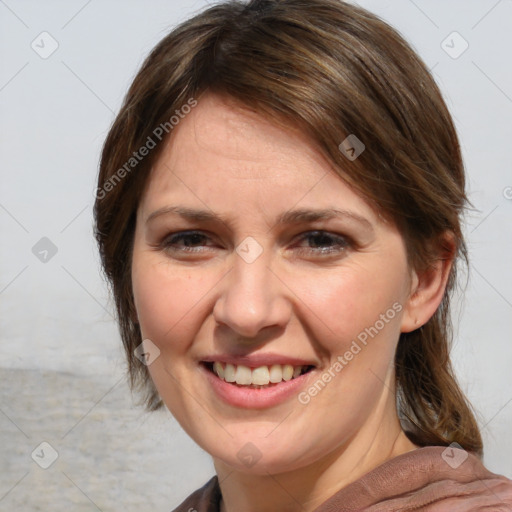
429	479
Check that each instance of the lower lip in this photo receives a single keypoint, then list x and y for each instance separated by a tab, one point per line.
255	398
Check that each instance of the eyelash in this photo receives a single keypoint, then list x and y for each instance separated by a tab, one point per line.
341	242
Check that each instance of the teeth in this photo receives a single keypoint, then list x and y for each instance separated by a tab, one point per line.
287	372
276	373
217	368
229	373
243	375
261	376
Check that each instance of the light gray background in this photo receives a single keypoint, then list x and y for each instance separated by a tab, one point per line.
61	367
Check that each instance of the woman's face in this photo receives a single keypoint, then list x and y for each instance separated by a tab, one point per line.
252	253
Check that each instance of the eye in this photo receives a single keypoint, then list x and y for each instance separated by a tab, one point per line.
186	242
323	243
317	243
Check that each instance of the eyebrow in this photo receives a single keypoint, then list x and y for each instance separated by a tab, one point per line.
297	216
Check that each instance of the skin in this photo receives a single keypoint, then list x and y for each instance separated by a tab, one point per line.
304	296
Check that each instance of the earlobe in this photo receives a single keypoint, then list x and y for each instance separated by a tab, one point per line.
428	286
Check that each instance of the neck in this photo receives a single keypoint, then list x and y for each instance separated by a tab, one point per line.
306	488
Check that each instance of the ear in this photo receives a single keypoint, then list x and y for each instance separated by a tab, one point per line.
428	285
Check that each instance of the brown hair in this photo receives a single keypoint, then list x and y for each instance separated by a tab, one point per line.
332	69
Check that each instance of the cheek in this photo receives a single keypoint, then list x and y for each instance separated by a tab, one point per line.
346	303
165	299
355	320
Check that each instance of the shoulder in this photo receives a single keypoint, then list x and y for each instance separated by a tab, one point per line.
205	499
432	478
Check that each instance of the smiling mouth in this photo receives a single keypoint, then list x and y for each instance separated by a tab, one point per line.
256	378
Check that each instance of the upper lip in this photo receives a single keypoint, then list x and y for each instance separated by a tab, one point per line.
256	360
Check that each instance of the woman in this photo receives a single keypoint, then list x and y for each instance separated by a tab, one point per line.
278	212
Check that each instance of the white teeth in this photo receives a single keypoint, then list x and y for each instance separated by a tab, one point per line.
261	376
243	375
229	373
287	372
276	373
218	369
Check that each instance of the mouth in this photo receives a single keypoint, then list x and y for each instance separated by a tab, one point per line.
261	377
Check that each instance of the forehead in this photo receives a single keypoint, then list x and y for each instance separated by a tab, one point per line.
223	154
222	128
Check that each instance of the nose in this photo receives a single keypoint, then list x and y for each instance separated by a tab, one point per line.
252	299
